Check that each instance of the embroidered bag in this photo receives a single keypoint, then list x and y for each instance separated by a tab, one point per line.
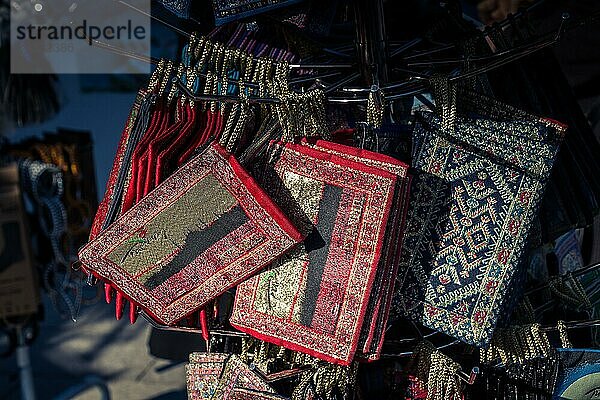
221	376
202	374
315	298
373	330
579	374
471	211
202	231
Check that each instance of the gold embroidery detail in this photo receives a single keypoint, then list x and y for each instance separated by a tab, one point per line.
196	209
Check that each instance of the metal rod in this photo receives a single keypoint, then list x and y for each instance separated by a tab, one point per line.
220	97
412	339
24	365
407	82
464	59
320	66
427	52
216	332
500	63
573	325
336	53
310	78
237	99
340	100
371	42
405	94
126	53
410	353
342	82
405	47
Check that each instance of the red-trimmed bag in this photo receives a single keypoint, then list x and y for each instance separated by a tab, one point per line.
372	334
315	298
200	232
202	374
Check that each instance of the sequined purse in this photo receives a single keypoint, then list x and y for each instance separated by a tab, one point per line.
202	374
315	298
471	210
200	232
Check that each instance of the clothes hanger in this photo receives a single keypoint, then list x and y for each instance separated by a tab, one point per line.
575	274
507	58
503	59
420	53
228	98
188	35
417	89
543	41
467	378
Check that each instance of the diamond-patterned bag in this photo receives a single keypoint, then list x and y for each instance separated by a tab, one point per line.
220	376
202	374
471	210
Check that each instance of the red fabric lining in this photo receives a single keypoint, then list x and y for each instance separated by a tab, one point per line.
165	156
258	193
154	149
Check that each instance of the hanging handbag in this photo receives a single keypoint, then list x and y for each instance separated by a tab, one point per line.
372	334
202	231
472	208
202	374
315	298
579	374
221	376
573	196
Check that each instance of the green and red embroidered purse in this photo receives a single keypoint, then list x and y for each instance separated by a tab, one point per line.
202	231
